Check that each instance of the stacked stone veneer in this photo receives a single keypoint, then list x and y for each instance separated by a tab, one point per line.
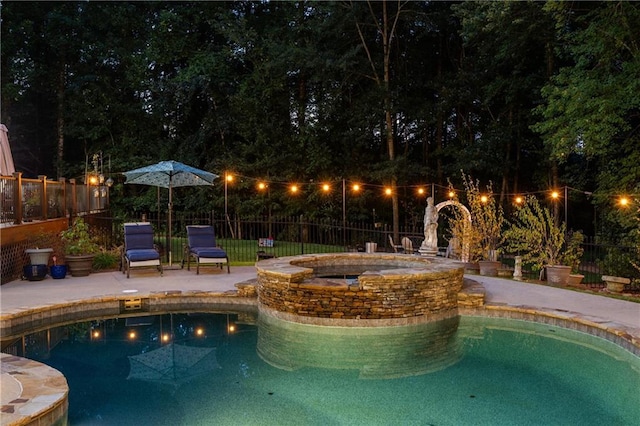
413	289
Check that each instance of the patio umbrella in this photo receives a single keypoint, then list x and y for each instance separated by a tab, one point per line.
173	364
6	159
170	174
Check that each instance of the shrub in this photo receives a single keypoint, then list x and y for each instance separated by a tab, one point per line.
539	239
484	235
106	260
78	240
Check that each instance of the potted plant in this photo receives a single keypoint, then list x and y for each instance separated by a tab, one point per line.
573	255
540	240
57	271
80	248
484	235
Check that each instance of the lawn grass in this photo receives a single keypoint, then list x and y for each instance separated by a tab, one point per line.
243	252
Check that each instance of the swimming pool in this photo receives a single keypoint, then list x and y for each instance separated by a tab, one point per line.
266	371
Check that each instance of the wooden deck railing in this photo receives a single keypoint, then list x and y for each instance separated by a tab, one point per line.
25	200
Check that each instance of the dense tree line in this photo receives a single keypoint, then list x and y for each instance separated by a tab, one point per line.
528	95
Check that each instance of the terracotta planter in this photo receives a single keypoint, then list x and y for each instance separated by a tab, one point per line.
575	279
471	268
615	284
489	268
505	272
79	265
558	274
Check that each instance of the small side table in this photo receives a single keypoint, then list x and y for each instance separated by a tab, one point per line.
262	255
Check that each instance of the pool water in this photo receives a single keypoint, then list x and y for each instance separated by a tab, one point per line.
481	372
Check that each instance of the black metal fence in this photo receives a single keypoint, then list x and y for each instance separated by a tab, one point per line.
244	238
604	258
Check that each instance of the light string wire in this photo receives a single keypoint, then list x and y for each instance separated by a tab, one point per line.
426	188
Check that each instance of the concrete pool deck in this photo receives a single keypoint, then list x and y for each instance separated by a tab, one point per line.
591	313
18	296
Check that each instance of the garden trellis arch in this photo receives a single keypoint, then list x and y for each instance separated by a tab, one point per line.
467	215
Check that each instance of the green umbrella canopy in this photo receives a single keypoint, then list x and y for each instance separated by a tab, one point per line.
169	174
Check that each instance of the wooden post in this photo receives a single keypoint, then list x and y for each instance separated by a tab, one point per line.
17	198
64	195
44	207
74	199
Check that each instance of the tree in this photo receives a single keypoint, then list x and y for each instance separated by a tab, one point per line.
591	104
384	27
503	67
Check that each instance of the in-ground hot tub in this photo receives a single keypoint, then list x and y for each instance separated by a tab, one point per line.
359	289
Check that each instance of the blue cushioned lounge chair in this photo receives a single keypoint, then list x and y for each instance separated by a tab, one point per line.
202	246
139	250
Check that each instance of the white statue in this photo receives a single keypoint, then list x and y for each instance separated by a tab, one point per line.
430	226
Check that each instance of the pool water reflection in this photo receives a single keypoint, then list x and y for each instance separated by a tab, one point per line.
265	371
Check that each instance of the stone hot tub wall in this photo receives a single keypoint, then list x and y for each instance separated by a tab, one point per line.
412	290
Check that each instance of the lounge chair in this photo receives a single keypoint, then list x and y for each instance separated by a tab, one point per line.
397	248
202	246
139	250
407	246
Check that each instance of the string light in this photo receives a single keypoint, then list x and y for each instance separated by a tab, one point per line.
484	198
262	185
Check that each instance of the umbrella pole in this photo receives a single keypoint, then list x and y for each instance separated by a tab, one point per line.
170	208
